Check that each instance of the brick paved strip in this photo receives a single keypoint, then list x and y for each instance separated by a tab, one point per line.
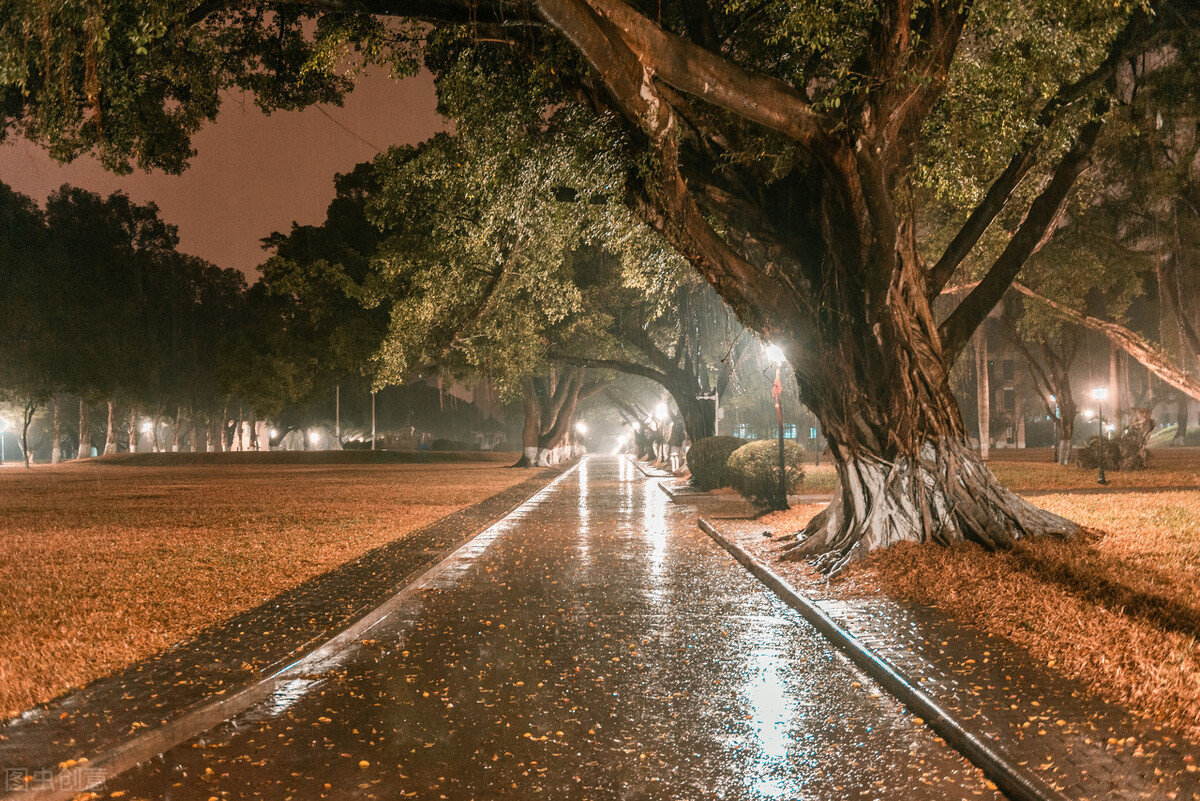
1013	780
140	709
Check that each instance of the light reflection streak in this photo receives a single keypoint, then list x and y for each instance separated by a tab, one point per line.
585	514
654	526
772	710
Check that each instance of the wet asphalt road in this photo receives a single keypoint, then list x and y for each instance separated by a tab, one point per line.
594	645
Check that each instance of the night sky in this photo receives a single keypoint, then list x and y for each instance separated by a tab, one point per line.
252	174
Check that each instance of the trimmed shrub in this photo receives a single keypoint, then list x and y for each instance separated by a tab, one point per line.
706	459
754	470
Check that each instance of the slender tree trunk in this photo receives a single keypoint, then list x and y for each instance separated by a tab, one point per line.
133	429
1181	416
983	391
155	425
85	430
176	429
26	419
110	437
55	431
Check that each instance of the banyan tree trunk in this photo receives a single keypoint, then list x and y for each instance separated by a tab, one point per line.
906	471
133	430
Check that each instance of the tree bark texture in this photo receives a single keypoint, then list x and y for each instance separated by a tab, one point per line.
85	430
983	399
110	435
133	429
55	431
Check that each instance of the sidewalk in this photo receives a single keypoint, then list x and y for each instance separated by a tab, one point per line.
593	645
1073	740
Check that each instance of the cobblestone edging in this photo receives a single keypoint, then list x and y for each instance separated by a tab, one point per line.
77	741
1013	780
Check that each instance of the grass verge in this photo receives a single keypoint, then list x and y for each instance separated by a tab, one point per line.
105	564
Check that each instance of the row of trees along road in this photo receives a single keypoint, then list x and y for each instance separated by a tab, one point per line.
778	148
100	307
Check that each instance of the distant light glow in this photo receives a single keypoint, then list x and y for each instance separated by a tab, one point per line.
581	427
313	437
3	424
1088	413
774	353
146	426
1100	393
274	433
661	412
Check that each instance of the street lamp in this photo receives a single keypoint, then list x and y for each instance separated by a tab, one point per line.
3	426
582	428
775	354
1100	393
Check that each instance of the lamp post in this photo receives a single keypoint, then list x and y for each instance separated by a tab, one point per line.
3	426
1100	393
775	354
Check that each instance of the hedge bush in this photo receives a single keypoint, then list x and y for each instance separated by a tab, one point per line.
754	470
706	459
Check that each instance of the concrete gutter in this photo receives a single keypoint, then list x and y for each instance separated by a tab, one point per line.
1015	781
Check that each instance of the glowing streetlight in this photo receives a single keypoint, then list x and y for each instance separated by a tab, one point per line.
582	428
775	354
662	413
274	433
1100	393
314	437
146	426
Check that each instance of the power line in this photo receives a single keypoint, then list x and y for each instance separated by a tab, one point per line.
330	117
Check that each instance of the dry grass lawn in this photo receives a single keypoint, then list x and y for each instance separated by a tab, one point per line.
104	564
1118	609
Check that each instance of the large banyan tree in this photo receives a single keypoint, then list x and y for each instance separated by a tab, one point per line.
782	147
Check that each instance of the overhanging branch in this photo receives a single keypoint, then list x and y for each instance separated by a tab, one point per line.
1148	354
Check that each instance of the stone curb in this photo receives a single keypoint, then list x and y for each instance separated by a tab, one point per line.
1014	781
647	474
200	717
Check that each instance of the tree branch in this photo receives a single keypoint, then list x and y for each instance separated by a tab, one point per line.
692	69
629	368
1149	355
1022	161
1043	212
